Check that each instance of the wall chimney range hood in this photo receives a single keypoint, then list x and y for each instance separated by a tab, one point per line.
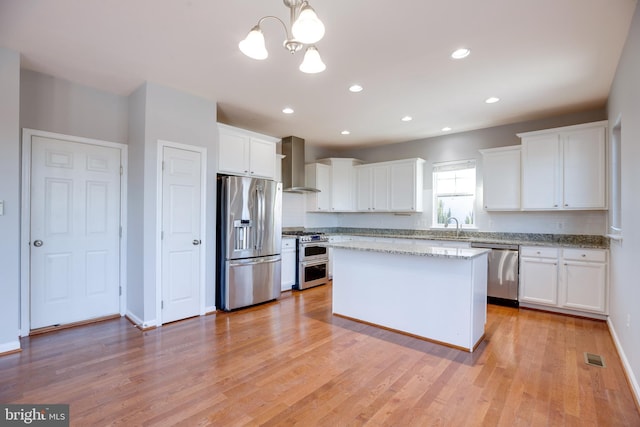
293	176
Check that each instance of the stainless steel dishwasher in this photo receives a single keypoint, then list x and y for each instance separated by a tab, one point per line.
502	279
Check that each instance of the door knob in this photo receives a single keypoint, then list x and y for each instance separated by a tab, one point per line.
37	243
196	242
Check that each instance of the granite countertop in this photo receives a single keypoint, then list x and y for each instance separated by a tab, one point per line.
472	236
417	249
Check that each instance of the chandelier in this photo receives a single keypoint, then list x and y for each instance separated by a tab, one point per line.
306	29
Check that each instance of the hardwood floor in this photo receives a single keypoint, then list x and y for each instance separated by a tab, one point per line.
291	362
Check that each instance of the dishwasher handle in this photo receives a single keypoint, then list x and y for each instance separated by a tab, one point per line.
495	246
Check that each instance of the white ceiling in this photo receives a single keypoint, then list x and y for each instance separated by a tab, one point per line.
541	57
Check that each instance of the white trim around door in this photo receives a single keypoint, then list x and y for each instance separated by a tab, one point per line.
25	238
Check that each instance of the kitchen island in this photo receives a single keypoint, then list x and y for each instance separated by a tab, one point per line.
431	292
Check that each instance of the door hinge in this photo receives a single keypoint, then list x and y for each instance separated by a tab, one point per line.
121	232
162	235
121	170
163	165
162	305
120	290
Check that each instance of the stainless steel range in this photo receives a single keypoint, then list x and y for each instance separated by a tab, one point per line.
312	258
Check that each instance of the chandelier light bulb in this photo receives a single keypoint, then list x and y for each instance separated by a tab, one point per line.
308	28
253	45
312	63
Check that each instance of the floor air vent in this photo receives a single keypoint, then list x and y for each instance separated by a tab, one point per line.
594	360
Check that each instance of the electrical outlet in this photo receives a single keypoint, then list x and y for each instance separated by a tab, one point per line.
628	320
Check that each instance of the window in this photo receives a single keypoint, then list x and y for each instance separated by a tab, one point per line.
454	193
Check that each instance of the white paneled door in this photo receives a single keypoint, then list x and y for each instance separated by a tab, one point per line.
75	231
181	233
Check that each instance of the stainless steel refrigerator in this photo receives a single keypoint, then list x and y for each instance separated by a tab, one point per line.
249	239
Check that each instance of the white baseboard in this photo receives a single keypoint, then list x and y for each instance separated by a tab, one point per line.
209	310
139	322
9	346
635	389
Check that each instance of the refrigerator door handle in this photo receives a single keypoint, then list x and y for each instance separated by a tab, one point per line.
260	227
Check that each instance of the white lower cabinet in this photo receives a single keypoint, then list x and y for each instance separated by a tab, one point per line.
570	280
288	278
584	274
539	275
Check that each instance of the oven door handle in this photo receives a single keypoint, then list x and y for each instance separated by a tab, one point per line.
313	262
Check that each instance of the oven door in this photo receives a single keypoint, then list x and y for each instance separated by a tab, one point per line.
313	251
313	273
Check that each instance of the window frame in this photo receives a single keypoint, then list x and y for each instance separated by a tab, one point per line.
447	167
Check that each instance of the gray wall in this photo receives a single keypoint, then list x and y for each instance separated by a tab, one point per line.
38	101
161	113
56	105
10	194
624	295
466	144
135	204
459	146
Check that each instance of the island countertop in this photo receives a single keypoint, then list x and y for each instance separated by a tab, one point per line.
417	249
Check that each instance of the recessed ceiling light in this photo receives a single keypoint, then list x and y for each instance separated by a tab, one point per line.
407	118
355	88
287	110
446	129
345	132
460	53
492	100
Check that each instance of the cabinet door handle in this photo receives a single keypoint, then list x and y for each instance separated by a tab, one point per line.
566	204
583	255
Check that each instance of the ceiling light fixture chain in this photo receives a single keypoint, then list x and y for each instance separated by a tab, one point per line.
305	29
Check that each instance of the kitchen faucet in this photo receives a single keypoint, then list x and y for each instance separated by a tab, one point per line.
446	224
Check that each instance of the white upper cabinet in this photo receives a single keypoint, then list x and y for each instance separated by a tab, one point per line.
394	186
501	178
584	160
318	175
406	186
341	185
373	187
541	172
564	168
243	152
